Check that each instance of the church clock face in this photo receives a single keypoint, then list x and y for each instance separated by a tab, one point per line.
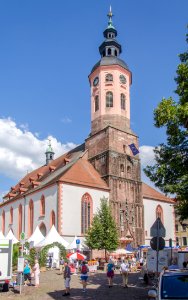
122	79
96	81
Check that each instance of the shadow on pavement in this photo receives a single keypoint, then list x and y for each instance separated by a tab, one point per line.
98	289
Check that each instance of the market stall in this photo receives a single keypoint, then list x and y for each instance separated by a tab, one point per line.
36	237
11	236
52	237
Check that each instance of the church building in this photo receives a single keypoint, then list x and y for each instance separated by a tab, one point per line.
66	191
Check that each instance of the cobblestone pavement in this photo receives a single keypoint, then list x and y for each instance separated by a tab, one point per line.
52	287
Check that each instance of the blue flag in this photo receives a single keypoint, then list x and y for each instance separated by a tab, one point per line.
133	148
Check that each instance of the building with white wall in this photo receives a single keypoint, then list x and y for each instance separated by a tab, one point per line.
158	205
66	191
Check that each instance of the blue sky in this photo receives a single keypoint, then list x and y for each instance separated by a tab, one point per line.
48	49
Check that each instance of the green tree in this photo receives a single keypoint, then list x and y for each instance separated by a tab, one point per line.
15	254
170	171
103	232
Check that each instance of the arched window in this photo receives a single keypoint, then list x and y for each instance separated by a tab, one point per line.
109	51
31	217
86	212
42	228
52	218
19	220
128	172
11	215
159	213
42	206
96	103
108	77
122	101
115	52
3	222
109	99
122	169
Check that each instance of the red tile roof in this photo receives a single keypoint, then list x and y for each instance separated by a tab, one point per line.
70	168
151	193
43	172
83	173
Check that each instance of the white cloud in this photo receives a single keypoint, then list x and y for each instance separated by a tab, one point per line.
147	155
66	120
21	151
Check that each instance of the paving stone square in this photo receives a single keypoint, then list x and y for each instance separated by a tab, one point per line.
52	287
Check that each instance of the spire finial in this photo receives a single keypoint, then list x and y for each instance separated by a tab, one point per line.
49	142
49	152
110	15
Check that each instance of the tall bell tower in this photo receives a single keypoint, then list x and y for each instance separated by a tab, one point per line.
111	136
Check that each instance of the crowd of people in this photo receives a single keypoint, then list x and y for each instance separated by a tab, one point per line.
124	265
110	268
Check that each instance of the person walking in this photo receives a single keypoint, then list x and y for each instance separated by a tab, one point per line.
110	273
27	273
124	268
36	270
84	275
67	278
50	262
61	265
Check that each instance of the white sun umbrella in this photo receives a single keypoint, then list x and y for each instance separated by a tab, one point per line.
11	236
2	235
73	244
52	236
122	251
36	237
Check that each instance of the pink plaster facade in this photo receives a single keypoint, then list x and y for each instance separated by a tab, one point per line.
116	114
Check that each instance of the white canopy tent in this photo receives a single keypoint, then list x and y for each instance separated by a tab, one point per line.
11	236
36	237
2	235
52	236
74	245
121	252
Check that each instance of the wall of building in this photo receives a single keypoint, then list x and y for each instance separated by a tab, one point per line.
71	206
150	206
115	87
6	208
181	233
50	195
110	154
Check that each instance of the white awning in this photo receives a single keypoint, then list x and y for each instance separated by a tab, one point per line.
36	237
11	236
2	235
52	236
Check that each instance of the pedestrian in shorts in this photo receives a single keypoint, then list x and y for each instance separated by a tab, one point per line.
67	278
84	275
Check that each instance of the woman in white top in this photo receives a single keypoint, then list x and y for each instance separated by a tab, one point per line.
125	271
36	270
